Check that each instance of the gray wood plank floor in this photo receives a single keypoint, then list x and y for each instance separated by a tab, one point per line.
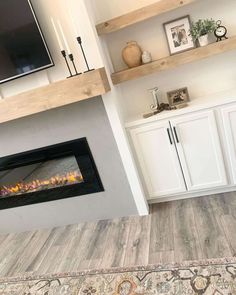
182	230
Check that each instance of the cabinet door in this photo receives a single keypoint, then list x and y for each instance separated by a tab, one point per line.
158	159
199	149
229	122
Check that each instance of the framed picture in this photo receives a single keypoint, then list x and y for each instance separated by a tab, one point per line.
178	96
177	34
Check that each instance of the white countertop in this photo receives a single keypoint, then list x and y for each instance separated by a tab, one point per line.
210	101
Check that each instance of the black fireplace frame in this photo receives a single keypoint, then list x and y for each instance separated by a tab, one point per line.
78	148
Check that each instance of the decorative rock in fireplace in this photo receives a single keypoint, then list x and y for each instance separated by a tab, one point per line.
50	173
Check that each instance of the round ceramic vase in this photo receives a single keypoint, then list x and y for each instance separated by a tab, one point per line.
132	54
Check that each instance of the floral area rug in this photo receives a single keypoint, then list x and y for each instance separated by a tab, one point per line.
216	277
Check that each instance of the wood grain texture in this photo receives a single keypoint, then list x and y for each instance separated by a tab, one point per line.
225	210
161	234
229	226
97	245
36	242
54	95
69	247
186	241
210	230
189	229
81	249
174	61
39	257
137	250
13	253
116	243
140	15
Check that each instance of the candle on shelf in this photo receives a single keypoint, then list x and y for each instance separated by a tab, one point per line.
57	35
64	37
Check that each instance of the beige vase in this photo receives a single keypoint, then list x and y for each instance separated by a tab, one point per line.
132	54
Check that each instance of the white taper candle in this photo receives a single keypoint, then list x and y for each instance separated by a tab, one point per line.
73	22
57	35
64	37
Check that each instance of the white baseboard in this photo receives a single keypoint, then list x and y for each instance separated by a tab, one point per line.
189	195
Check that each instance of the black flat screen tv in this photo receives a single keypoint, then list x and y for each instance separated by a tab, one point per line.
23	49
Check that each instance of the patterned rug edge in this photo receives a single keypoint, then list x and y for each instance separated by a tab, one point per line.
90	272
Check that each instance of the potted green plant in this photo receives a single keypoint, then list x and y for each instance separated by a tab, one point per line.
201	29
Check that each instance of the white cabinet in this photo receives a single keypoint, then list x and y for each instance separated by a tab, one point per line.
182	154
199	149
229	122
158	159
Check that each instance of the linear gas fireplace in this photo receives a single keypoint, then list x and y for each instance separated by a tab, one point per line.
50	173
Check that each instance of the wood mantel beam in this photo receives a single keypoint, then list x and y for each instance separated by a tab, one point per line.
54	95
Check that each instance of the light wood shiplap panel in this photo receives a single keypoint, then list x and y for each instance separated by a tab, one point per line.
139	15
174	61
54	95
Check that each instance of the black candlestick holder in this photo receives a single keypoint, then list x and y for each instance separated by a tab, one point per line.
64	55
85	59
71	57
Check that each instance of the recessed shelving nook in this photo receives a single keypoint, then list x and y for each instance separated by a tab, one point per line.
169	62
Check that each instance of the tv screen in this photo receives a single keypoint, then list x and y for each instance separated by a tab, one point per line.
23	49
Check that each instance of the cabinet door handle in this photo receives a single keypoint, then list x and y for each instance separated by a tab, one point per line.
168	131
176	136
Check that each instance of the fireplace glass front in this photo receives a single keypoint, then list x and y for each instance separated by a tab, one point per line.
49	173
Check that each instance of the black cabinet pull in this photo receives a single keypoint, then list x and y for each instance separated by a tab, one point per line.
168	131
176	136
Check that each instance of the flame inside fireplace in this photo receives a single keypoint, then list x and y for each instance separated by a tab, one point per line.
19	188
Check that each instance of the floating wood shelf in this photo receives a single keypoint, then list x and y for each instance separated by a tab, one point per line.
54	95
140	15
174	61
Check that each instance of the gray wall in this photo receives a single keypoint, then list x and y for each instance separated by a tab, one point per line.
83	119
